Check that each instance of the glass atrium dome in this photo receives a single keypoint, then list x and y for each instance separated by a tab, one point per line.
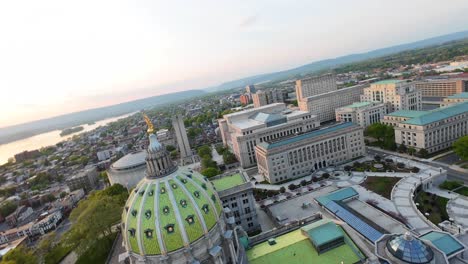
409	249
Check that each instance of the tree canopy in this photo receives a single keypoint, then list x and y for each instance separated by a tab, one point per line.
460	147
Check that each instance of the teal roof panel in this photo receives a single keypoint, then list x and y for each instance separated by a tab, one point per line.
459	96
438	114
312	134
444	242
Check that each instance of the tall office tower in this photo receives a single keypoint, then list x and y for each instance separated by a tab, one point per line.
269	96
443	85
244	99
186	154
324	105
315	85
397	94
250	89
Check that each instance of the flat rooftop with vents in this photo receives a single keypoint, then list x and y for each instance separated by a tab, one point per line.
298	247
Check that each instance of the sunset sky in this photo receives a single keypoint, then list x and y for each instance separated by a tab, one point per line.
59	56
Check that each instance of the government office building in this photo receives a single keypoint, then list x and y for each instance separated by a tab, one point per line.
431	130
242	131
396	94
298	156
361	113
324	105
315	85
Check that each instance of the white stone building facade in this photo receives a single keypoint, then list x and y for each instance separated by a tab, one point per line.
301	155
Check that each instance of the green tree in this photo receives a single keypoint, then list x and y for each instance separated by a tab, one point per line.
20	255
411	151
423	153
204	150
7	208
210	172
402	148
229	157
460	147
170	148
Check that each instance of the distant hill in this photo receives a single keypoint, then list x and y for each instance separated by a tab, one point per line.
331	63
16	132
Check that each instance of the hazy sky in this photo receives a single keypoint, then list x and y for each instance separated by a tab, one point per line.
59	56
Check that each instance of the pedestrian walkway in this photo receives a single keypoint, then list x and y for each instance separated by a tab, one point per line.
457	209
402	197
443	193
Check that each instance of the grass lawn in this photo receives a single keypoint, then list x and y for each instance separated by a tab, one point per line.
380	185
435	205
463	191
450	185
98	251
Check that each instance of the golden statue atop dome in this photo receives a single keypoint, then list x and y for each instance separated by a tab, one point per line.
149	124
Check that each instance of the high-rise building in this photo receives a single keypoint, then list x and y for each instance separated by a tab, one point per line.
244	99
324	105
443	85
250	89
186	154
297	156
396	94
361	113
269	96
242	131
315	85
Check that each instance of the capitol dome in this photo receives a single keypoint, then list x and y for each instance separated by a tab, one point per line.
173	215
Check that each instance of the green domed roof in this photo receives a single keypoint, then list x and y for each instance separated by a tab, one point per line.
168	213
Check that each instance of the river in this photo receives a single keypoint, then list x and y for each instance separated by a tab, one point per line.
8	150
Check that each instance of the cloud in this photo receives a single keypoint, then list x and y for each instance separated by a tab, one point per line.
249	21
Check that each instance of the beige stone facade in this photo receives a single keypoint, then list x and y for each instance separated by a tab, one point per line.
324	105
397	94
301	155
361	113
315	85
242	131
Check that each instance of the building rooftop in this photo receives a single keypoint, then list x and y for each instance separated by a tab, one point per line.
358	104
130	160
315	133
338	196
323	231
227	182
407	113
444	242
294	248
438	114
459	96
391	81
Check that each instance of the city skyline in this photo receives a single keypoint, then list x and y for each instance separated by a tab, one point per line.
63	57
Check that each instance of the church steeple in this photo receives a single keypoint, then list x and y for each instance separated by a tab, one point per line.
158	161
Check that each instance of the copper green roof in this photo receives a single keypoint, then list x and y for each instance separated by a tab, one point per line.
312	134
438	114
169	213
227	182
357	105
407	113
391	81
459	96
322	232
339	195
444	242
295	248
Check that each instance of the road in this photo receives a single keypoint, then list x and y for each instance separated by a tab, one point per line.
451	173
